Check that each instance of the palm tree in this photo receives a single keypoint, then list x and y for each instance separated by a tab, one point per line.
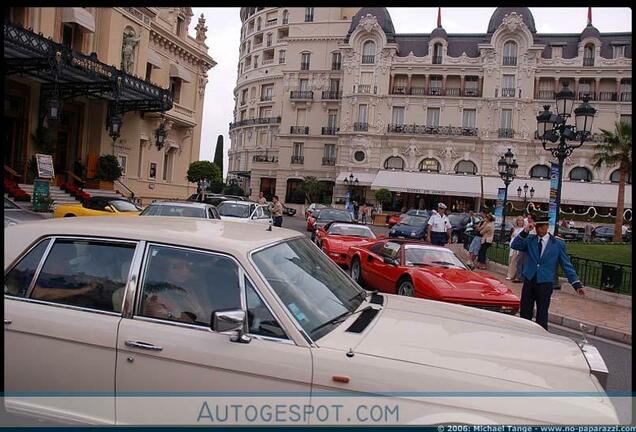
616	149
312	188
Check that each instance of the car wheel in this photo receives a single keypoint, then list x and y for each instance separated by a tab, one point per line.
356	272
405	287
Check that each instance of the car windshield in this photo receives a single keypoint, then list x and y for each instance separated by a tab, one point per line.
414	221
351	230
458	219
234	209
8	204
331	214
418	255
174	210
311	286
417	213
124	206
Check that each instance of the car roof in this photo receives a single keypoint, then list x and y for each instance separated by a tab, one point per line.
210	234
181	204
240	202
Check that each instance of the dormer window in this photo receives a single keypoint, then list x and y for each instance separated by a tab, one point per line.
588	55
368	52
510	54
437	53
618	51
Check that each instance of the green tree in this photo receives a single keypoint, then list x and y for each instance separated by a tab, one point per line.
233	189
218	153
311	188
108	168
616	150
383	196
200	170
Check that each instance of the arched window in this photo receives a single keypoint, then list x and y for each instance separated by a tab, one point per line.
437	53
581	174
510	53
285	16
466	167
616	176
588	55
368	52
394	163
429	165
540	171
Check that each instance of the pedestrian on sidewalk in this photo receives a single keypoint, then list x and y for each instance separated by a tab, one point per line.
487	231
514	254
356	209
439	227
544	253
587	236
363	213
261	198
276	208
475	242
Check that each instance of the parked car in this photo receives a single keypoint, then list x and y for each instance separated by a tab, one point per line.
335	238
417	212
394	219
414	227
458	223
98	206
212	198
245	211
288	211
418	270
327	215
312	207
571	234
178	307
605	233
182	209
13	214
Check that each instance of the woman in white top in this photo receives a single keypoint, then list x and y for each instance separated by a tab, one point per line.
514	254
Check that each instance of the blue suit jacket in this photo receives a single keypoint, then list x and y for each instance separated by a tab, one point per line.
544	266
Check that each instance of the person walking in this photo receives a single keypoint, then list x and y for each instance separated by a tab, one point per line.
276	208
587	235
363	213
356	209
544	253
487	231
439	227
514	254
261	198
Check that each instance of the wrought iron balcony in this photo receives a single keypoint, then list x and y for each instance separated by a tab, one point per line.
336	66
626	97
304	66
417	91
506	133
546	95
510	61
361	127
364	89
508	92
471	92
368	59
266	98
268	61
590	95
331	95
256	121
437	59
271	23
330	130
301	94
588	61
328	161
415	129
298	159
299	130
607	96
452	91
265	159
399	90
436	91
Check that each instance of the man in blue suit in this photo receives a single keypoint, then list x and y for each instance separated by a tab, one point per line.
543	253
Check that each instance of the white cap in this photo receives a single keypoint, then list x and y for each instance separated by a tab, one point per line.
441	205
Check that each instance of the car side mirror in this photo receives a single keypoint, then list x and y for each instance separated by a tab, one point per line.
230	320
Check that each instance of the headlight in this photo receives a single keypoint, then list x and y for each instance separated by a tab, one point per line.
413	233
392	231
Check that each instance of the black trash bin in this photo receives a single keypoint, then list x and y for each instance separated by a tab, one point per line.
611	277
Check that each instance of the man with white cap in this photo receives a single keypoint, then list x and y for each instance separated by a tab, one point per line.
439	227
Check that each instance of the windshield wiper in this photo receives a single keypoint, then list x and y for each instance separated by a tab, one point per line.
334	320
445	263
362	293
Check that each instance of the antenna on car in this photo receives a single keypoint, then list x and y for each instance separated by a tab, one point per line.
269	228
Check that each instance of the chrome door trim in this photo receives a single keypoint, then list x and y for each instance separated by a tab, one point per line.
38	269
128	305
66	306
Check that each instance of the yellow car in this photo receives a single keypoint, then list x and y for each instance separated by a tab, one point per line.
98	206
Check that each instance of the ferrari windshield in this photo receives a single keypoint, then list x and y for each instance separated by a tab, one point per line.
311	286
234	209
124	206
414	221
351	230
419	255
333	214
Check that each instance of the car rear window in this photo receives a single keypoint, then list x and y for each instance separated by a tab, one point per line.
234	209
19	278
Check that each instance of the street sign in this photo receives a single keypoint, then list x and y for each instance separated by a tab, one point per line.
45	166
40	195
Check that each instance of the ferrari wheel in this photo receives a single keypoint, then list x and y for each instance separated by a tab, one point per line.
355	270
405	288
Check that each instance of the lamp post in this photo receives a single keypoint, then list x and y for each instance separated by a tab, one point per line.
525	194
351	183
552	128
507	167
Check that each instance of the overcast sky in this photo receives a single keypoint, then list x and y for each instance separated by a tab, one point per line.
224	27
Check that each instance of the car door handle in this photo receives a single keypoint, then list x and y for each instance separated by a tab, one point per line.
143	345
7	321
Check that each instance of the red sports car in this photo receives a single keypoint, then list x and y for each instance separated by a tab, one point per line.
394	219
420	270
335	238
311	219
312	207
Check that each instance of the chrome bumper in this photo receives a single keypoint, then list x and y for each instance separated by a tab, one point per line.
598	368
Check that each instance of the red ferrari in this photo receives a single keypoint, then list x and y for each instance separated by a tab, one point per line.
394	219
416	269
336	238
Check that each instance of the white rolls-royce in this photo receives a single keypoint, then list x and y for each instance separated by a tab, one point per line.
187	321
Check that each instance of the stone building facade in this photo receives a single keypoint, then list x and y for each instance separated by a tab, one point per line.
426	116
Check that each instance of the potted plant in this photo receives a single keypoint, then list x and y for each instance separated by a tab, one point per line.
108	170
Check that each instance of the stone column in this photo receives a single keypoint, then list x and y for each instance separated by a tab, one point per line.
408	84
480	86
576	88
618	89
597	89
536	87
461	85
444	84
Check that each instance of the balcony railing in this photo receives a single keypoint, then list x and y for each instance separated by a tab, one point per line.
546	94
304	66
368	59
472	92
508	92
328	161
258	44
294	94
415	129
271	23
268	62
265	159
590	95
365	89
331	95
417	91
607	96
266	98
510	61
436	91
506	133
588	61
399	90
453	91
626	97
361	127
299	130
298	159
336	66
330	130
437	59
256	121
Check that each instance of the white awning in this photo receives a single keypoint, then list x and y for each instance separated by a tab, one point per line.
428	183
178	71
154	58
79	16
364	179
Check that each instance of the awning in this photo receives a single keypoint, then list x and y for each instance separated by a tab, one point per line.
79	16
178	71
428	183
171	145
364	179
154	58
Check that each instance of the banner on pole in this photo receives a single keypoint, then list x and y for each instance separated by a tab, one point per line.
501	193
552	207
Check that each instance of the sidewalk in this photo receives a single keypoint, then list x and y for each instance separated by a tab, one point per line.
569	310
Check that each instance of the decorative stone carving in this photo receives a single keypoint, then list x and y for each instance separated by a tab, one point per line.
369	23
201	29
203	81
512	22
463	59
447	153
490	60
129	43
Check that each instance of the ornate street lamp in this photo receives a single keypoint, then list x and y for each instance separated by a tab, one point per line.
160	135
525	194
53	109
507	167
115	122
552	128
351	183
